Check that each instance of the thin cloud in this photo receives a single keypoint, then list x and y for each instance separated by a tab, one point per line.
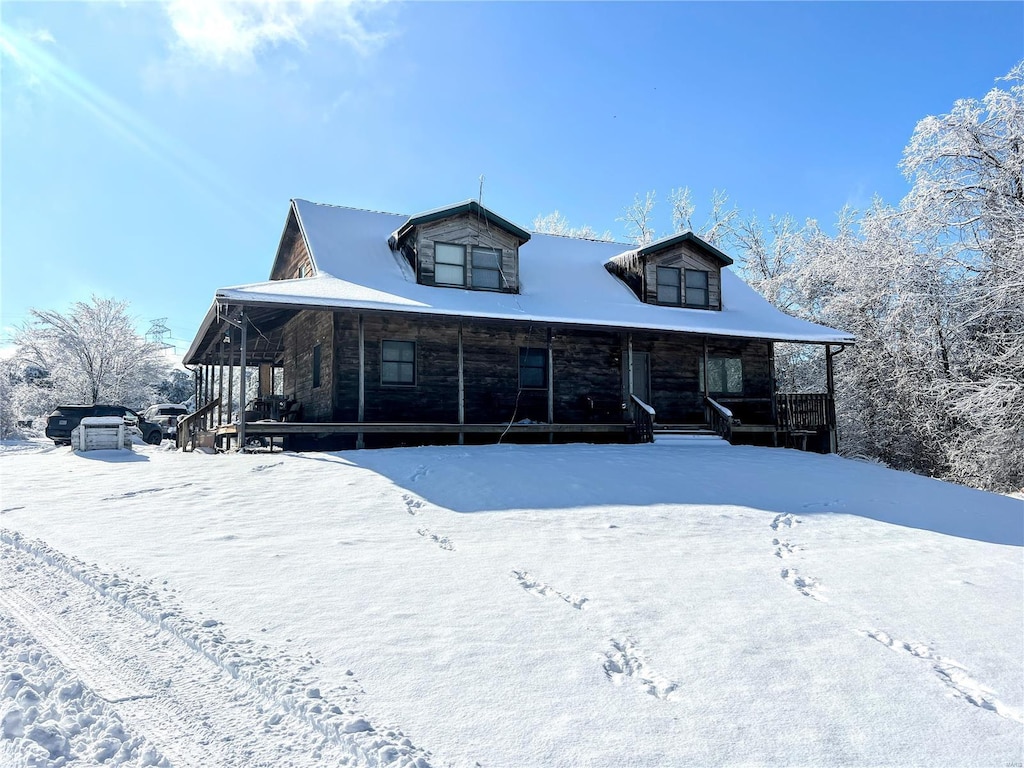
231	35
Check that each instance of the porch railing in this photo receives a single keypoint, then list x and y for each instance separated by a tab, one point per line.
720	418
191	425
805	411
643	419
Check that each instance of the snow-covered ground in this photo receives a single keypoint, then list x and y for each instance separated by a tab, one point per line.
682	603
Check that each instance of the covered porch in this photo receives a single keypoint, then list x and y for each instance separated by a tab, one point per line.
241	355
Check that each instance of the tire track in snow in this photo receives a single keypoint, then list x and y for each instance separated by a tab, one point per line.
232	704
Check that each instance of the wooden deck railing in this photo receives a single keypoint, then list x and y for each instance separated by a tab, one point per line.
643	419
805	411
720	418
189	426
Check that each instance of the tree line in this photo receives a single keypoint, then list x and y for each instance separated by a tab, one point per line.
932	288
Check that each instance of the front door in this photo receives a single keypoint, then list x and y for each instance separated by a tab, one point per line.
641	375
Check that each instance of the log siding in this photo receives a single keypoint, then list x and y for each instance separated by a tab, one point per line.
466	230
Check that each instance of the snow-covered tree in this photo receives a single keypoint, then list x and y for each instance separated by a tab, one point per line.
555	223
638	219
90	354
967	170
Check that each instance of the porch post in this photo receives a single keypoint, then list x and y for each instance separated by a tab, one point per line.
231	389
704	384
772	388
220	383
362	379
241	383
830	386
551	387
629	370
462	388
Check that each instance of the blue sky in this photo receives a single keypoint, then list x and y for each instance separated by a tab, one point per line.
149	150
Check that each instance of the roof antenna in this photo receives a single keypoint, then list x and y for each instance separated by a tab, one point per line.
480	198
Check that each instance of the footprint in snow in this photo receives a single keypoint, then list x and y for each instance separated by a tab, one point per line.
626	662
531	585
265	467
412	506
805	585
442	541
786	520
953	674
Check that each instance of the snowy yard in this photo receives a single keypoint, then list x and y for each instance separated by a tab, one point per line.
673	604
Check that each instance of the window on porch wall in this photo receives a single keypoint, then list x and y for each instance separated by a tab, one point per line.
533	368
725	375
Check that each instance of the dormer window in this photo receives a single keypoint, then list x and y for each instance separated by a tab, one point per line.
677	271
462	246
487	268
668	285
696	288
449	264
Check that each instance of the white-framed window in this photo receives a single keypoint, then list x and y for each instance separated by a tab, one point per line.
487	268
725	375
449	264
697	288
533	368
668	285
398	362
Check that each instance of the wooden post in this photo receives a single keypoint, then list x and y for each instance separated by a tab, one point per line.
629	370
773	390
462	389
220	383
551	386
231	390
241	382
362	379
707	394
830	386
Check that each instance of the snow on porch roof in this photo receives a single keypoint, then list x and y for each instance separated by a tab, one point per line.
563	281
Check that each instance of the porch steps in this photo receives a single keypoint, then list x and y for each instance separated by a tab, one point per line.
686	434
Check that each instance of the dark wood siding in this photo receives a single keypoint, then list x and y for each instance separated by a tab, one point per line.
588	371
467	230
435	395
303	333
684	257
588	378
292	254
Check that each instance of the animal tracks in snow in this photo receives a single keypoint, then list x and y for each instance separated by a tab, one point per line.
805	585
412	505
144	491
625	662
442	541
785	521
530	584
265	467
952	674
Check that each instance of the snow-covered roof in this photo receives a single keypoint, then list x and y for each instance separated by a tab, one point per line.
562	281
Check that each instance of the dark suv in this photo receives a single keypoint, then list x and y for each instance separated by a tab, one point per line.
66	417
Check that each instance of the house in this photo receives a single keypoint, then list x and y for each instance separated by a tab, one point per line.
458	325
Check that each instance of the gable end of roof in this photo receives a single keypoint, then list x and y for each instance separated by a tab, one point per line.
684	237
468	206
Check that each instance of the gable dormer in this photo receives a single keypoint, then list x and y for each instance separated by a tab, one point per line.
677	271
462	246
